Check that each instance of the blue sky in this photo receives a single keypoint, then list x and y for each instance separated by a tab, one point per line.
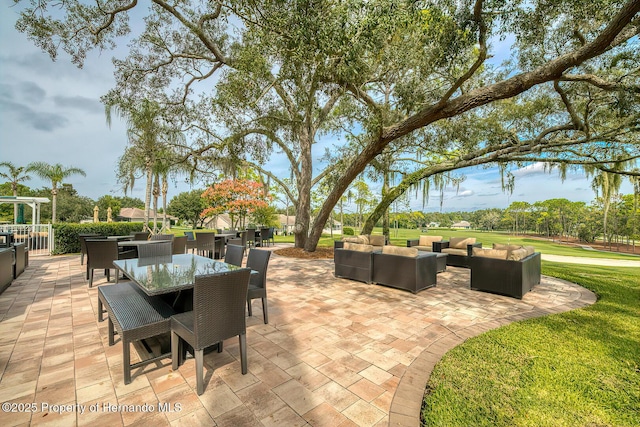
51	112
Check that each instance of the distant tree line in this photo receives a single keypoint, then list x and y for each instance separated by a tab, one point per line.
553	218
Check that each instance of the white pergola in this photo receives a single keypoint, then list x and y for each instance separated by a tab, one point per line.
33	202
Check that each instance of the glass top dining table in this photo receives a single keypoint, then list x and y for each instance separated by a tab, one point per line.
170	273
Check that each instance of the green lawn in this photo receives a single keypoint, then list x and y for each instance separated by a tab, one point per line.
488	238
580	368
400	237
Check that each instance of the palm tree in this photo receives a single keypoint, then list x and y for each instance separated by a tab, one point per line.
56	174
608	184
148	137
15	176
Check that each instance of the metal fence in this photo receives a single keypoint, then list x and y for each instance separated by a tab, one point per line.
37	237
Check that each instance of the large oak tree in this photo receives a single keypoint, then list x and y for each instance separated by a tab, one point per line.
283	73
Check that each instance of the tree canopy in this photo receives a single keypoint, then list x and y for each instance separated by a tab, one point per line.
248	79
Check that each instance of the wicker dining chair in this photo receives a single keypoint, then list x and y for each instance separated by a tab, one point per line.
235	241
141	235
264	236
100	256
251	237
258	260
180	245
83	246
161	237
156	249
218	314
191	241
243	237
205	244
234	255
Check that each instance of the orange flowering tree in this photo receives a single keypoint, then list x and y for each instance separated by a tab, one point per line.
236	197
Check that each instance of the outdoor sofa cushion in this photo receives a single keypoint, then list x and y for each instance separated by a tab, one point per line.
358	247
366	239
461	242
396	250
515	252
362	240
428	240
454	251
491	253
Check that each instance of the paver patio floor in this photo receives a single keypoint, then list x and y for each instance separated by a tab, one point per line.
335	353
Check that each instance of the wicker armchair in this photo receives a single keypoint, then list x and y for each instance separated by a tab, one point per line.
218	314
424	243
354	261
258	260
404	268
458	249
492	271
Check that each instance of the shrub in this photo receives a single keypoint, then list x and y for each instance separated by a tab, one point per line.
66	234
348	231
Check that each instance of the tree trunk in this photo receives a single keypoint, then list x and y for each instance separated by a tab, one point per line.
147	197
156	195
165	190
385	217
303	209
14	187
54	199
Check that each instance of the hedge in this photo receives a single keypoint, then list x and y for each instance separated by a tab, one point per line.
348	231
67	240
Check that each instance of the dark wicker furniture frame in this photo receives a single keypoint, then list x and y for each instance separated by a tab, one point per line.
218	313
409	273
135	316
353	265
505	277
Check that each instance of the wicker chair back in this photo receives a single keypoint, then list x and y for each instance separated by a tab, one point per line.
234	255
218	307
179	244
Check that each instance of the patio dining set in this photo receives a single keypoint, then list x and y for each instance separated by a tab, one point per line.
197	299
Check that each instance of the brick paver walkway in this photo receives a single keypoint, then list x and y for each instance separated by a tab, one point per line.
335	353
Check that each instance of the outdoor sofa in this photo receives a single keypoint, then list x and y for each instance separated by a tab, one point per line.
458	249
404	268
505	269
